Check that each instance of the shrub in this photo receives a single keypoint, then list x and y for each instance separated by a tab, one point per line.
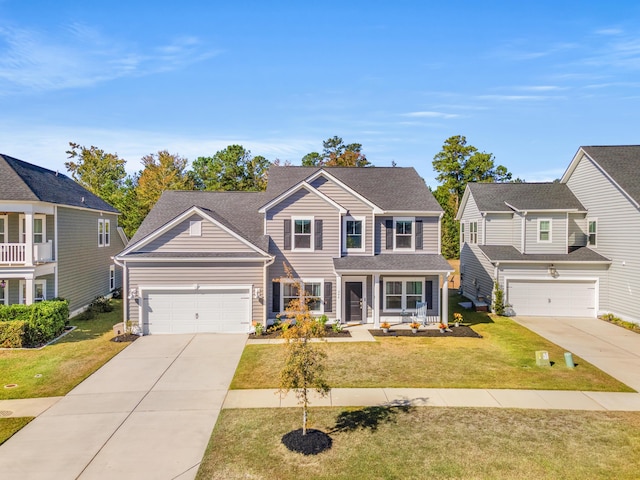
498	299
12	333
42	321
101	305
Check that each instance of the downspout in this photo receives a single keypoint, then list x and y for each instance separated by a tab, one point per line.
440	233
265	306
523	233
55	252
496	281
125	292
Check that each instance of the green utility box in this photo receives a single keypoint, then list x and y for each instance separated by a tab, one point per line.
568	359
542	358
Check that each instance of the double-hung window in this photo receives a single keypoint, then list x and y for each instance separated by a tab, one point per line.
461	232
112	277
39	229
403	294
3	229
544	230
593	232
354	234
403	233
302	233
309	290
104	232
473	232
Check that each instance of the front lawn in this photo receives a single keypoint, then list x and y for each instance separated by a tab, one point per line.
9	426
56	369
504	358
438	443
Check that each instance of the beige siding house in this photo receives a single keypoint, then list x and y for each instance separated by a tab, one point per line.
364	243
56	238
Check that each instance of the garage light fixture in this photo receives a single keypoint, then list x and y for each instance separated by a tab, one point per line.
553	271
133	293
257	293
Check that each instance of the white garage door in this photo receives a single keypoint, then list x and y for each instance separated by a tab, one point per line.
225	310
556	299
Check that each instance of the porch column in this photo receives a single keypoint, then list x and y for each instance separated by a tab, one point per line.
28	287
445	300
339	297
28	238
376	300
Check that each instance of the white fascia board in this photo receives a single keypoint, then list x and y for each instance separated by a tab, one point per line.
393	272
412	213
323	172
574	163
293	190
133	260
555	262
463	202
167	226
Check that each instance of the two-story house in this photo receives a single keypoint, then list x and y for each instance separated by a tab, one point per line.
364	243
558	249
56	238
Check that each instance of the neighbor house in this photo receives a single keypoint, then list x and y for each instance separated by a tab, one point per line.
364	243
558	249
56	238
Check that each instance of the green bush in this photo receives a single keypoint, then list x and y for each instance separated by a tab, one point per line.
12	333
43	321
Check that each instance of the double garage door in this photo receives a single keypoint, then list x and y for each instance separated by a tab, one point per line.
554	299
223	310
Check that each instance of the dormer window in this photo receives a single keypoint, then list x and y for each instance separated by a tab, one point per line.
544	230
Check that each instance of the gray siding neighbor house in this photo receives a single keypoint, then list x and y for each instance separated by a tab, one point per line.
56	238
363	242
558	249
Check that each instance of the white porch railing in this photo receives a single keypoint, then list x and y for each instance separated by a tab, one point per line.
15	253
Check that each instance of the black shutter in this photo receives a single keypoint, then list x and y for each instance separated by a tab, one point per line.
328	297
318	235
389	226
275	297
419	235
428	293
287	234
381	294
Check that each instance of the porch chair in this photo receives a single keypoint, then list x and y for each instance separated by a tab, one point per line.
421	313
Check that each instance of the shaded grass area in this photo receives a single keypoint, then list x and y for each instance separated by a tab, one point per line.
9	426
503	358
64	364
437	443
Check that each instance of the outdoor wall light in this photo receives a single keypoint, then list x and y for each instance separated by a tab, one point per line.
133	293
3	283
257	293
552	271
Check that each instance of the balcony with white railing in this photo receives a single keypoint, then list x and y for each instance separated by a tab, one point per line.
16	253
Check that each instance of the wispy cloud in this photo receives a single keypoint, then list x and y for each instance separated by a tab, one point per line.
518	53
609	31
540	88
516	98
81	56
429	114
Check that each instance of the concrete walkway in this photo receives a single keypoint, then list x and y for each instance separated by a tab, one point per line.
146	414
612	349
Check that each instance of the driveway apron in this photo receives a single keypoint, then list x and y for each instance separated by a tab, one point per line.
146	414
612	349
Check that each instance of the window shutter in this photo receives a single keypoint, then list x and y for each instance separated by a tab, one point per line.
328	297
428	293
419	235
287	234
389	226
275	300
381	294
318	235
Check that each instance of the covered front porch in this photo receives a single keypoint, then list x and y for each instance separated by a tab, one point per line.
27	285
374	289
26	234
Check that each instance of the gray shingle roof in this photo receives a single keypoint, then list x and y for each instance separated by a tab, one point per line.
198	255
236	210
508	253
622	163
393	262
20	180
390	188
494	197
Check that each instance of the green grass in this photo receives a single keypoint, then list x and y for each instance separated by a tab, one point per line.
503	358
435	443
9	426
64	364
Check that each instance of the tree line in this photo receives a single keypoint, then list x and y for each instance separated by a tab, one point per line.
234	168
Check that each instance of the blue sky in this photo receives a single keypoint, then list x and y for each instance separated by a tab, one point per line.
528	81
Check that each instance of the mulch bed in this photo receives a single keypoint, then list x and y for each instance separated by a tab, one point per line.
461	331
328	333
313	443
127	337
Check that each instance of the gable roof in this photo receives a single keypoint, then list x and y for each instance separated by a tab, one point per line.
237	211
619	162
24	181
302	185
505	197
392	189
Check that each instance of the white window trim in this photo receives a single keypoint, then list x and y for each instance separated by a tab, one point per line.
195	228
22	286
589	221
540	220
473	232
403	300
5	299
21	221
5	231
413	233
462	232
112	278
104	240
347	218
293	234
302	282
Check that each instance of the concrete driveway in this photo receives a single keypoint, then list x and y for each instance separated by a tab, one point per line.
612	349
147	413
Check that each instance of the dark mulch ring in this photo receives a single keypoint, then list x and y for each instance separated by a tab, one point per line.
313	443
328	333
127	337
461	331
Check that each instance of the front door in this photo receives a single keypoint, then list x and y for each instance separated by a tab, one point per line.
353	305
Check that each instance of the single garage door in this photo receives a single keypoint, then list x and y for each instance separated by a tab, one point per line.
224	310
556	298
